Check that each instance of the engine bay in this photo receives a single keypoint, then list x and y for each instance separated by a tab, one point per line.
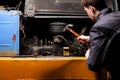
48	37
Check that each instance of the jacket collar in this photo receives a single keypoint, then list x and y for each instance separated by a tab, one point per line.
103	12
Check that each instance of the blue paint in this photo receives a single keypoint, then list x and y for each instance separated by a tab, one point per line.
9	30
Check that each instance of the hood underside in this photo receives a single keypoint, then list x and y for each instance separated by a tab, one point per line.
54	8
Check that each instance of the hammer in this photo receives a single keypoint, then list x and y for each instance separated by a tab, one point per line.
67	27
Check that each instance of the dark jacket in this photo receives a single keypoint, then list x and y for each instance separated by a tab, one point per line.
105	42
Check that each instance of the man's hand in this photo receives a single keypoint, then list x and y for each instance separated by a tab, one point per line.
83	39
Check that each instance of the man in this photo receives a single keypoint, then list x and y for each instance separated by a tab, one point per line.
104	38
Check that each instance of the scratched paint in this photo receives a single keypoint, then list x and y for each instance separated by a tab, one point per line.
14	37
8	53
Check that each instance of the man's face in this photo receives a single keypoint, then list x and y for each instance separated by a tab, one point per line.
90	13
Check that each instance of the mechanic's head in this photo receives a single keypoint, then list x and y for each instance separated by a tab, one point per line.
93	7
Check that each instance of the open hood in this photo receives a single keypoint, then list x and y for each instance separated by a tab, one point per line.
35	8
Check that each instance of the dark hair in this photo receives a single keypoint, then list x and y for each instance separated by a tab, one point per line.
98	4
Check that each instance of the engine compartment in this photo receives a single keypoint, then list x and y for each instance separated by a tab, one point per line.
45	36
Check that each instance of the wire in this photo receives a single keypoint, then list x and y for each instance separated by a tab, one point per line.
68	42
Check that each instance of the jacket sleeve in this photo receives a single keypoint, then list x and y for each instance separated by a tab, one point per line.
98	40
